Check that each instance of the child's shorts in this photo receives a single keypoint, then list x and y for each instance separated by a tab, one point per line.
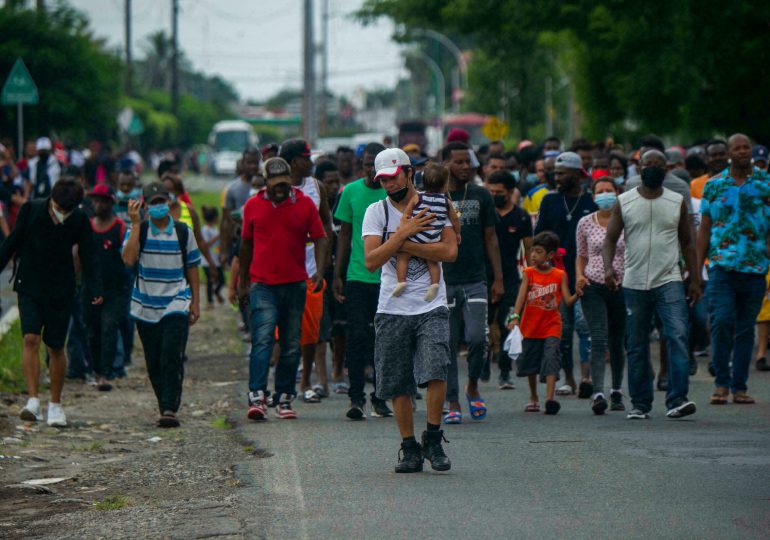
539	356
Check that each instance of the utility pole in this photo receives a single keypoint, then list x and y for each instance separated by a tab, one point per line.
129	59
325	64
174	57
309	126
40	5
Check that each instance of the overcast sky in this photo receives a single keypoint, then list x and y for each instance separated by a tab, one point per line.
257	44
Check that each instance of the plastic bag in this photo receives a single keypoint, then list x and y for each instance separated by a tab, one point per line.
512	345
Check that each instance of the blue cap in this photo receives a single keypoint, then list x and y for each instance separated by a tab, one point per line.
759	153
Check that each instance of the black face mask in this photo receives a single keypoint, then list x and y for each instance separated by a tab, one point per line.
652	177
279	192
398	196
500	200
550	178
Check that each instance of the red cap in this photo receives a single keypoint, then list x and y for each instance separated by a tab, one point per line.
102	190
458	134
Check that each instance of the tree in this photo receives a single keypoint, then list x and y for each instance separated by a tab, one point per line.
76	78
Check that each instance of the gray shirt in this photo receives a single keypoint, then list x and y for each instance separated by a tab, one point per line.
672	182
238	192
651	231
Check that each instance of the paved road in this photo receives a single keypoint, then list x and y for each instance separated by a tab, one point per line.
520	475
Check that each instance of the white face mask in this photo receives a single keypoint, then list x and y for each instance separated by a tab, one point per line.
60	216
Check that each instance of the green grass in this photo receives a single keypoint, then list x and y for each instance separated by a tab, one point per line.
221	422
207	198
11	372
115	502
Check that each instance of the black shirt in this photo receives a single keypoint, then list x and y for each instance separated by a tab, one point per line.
476	210
555	209
46	270
108	247
511	229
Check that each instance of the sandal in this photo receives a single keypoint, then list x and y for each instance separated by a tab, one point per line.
532	406
320	391
310	396
718	399
341	388
478	407
453	417
565	390
742	398
761	364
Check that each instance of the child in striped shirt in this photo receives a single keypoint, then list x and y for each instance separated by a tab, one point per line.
434	199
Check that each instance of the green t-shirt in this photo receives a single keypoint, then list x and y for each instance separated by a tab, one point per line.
351	207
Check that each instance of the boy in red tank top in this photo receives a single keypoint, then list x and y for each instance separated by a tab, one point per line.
543	288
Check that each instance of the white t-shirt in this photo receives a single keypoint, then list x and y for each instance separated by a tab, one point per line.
411	302
208	232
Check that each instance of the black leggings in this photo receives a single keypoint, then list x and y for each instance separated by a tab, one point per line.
211	290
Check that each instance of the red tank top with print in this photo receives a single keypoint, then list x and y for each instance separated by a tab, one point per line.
541	318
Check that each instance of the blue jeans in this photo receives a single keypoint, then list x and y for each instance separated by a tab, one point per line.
271	306
467	316
735	299
671	306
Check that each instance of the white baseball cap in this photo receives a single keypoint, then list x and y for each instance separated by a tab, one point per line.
43	143
389	162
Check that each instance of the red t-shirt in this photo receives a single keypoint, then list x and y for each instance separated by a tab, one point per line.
279	234
541	318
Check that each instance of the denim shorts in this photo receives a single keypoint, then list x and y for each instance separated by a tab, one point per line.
539	357
410	350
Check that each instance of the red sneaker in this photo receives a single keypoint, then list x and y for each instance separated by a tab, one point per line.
284	408
257	406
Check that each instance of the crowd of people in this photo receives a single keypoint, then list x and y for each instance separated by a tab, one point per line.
396	265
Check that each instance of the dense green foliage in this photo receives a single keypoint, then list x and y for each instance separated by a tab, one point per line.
81	83
687	68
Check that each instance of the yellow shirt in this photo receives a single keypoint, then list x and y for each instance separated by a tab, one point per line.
534	198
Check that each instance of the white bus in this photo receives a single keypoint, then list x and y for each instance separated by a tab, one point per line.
228	140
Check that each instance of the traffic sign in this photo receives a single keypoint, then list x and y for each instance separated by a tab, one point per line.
19	88
494	129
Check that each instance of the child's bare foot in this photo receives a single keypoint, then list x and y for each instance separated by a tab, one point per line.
398	290
432	292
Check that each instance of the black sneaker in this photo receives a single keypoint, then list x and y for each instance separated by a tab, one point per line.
616	402
552	406
637	414
409	458
434	452
356	411
380	409
599	405
585	390
685	409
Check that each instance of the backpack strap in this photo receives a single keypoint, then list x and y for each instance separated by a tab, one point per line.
182	235
387	219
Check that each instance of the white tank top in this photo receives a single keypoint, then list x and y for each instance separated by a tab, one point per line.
309	187
651	230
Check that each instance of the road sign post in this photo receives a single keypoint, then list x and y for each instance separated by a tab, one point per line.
19	90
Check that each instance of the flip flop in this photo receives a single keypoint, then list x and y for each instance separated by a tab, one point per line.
565	390
310	396
743	398
718	399
478	407
532	406
341	388
453	417
320	391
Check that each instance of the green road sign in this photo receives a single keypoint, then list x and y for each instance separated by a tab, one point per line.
19	87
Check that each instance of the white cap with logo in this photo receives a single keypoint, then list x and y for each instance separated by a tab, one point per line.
43	143
389	162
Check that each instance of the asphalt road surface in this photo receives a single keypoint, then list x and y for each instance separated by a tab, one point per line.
520	475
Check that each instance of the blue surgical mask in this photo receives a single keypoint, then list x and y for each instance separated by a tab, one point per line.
605	200
158	211
551	153
532	179
620	181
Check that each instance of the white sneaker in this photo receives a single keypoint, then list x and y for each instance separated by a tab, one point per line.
31	411
56	417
